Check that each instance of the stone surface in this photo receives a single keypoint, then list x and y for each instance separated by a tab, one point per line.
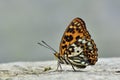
105	69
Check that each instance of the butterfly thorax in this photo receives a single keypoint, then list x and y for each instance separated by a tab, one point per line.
61	59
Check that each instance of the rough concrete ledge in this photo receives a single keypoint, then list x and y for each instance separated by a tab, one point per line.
105	69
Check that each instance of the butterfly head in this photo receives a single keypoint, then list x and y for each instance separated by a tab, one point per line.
56	54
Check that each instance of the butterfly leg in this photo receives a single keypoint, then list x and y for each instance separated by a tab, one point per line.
59	65
71	65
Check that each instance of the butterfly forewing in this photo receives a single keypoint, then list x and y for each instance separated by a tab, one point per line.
76	46
76	40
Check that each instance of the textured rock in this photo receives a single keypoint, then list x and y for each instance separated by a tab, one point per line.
105	69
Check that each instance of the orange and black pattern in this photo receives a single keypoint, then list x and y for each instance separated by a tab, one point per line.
76	41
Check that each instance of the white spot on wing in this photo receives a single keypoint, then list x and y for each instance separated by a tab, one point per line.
77	51
79	40
83	41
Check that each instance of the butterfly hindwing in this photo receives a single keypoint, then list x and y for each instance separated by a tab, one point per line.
76	46
76	40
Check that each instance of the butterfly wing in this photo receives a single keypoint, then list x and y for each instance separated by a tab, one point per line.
77	40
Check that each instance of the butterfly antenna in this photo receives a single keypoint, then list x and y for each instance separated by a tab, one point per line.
46	46
43	45
49	46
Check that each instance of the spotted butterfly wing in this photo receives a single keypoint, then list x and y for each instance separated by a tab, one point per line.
76	47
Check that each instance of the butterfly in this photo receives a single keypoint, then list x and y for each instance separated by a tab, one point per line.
76	47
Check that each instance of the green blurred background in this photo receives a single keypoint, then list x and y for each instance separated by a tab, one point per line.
23	23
